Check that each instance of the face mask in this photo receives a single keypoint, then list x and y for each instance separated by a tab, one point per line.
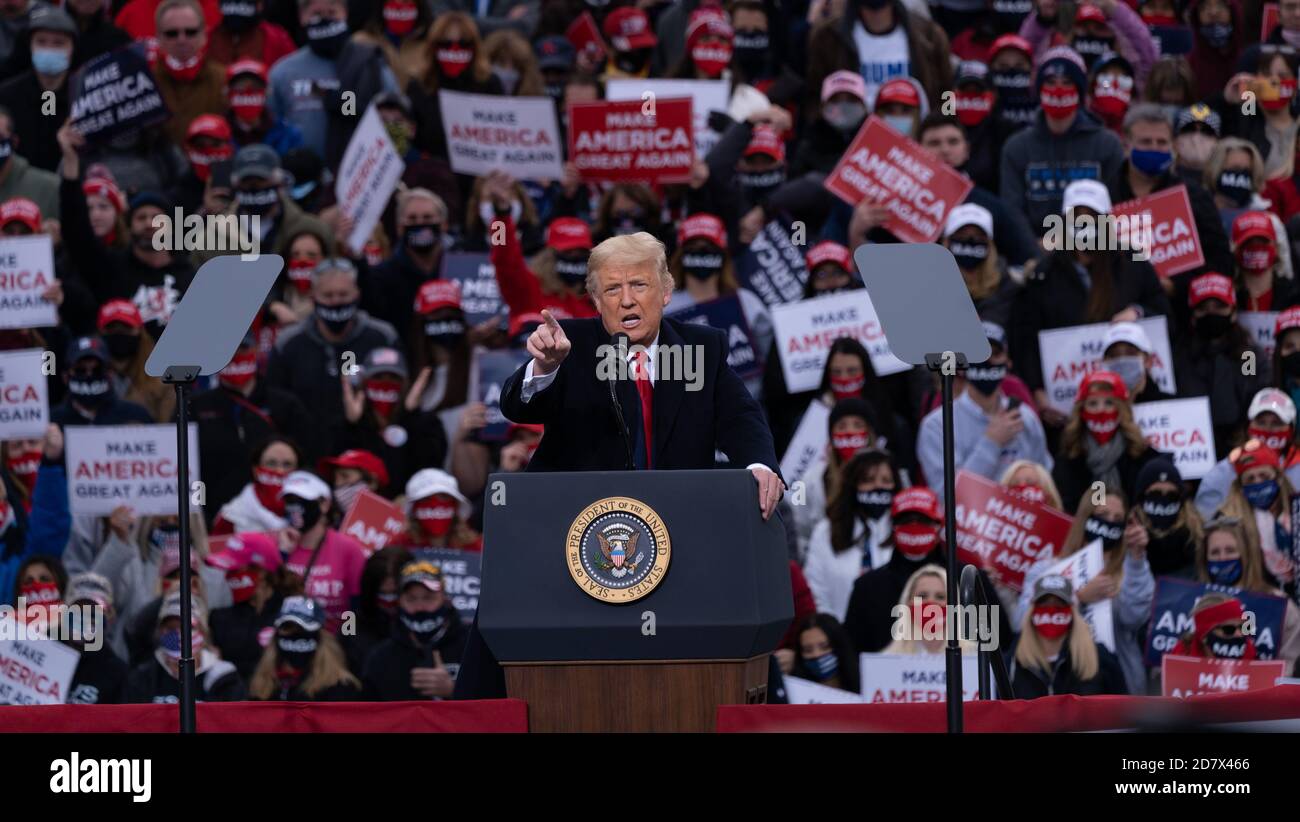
259	201
757	185
238	16
267	483
986	379
243	584
297	651
702	266
1009	14
928	619
973	109
845	387
1291	364
969	255
846	445
421	237
434	516
1151	163
1162	510
401	137
1130	369
429	627
1102	425
1224	571
1237	186
1285	91
23	466
1052	621
487	212
383	395
50	62
1217	34
822	667
751	52
875	504
1237	647
1194	149
1029	493
92	392
571	272
453	61
1261	494
556	92
1016	102
183	70
632	62
248	105
40	596
202	161
902	123
122	346
400	17
844	117
915	540
241	370
1256	261
509	78
326	37
1279	441
170	642
302	514
626	222
337	318
445	333
712	58
386	602
1090	48
299	272
1212	326
1059	104
1110	533
346	495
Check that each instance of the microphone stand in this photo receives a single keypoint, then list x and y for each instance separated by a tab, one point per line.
620	345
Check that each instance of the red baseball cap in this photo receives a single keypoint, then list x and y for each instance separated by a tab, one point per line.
208	125
1102	379
247	66
918	500
708	21
628	29
436	294
103	187
765	141
241	550
898	90
1211	286
119	311
1252	224
1011	41
703	225
518	321
1252	455
568	233
829	251
22	210
355	458
1088	12
1287	320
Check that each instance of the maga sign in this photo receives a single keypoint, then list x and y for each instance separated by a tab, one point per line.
805	330
1002	533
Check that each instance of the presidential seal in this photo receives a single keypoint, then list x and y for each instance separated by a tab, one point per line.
617	549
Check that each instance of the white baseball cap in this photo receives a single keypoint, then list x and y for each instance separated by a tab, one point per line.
1274	400
1130	333
969	214
429	481
1087	193
305	485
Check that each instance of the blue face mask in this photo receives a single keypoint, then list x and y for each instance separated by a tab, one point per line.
823	667
1261	494
1151	163
50	61
1224	571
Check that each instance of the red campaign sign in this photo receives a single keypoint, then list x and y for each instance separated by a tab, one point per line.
1185	676
584	35
374	522
1175	242
918	188
1272	17
617	141
1002	533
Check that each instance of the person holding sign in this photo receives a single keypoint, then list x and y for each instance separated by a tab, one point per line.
1261	498
1218	633
303	663
352	472
452	53
1271	420
1055	652
826	654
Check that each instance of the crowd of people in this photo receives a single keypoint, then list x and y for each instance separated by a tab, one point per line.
1049	109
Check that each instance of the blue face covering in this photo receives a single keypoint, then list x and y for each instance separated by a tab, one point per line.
823	667
50	62
1261	494
1224	571
1151	163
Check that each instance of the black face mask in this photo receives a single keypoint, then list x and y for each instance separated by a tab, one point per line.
571	271
751	49
1009	14
258	201
986	379
875	504
428	627
1230	648
1015	96
1237	186
702	266
1169	553
337	317
1212	326
1162	510
421	237
302	514
143	242
238	16
1110	533
632	62
297	651
969	255
326	37
122	346
445	333
6	151
1291	364
92	392
627	222
757	185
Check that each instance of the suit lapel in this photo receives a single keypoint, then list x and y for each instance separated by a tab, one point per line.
668	393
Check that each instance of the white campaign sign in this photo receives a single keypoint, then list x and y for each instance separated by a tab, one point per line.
706	96
1181	428
805	330
368	174
1069	353
26	271
1079	568
804	692
808	442
915	677
1260	325
131	465
24	398
33	671
516	134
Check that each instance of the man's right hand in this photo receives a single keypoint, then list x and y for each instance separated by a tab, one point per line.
548	344
1004	426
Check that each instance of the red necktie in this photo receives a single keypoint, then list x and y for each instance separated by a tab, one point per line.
646	390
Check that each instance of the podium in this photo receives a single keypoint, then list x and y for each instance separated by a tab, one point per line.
632	601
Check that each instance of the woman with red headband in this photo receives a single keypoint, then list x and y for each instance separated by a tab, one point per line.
1101	442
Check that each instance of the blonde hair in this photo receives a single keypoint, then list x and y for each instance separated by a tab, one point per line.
405	196
1252	557
329	667
912	645
509	46
1076	538
1236	505
633	251
1030	652
198	535
1075	431
1219	157
1042	478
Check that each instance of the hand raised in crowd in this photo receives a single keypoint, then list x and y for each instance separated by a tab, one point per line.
699	174
54	293
514	456
53	446
354	401
1102	586
571	180
1127	315
1280	566
287	539
775	116
1136	538
70	140
54	228
433	682
866	216
751	224
472	419
1236	87
1004	426
282	313
497	188
784	659
1046	413
416	392
120	522
548	345
480	333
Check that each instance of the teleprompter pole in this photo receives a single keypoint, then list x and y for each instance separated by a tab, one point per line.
182	377
947	364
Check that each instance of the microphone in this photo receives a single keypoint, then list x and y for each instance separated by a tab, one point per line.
620	346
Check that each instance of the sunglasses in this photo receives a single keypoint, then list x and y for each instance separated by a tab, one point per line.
173	34
1227	631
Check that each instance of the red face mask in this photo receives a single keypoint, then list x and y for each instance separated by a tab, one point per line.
383	395
973	109
266	485
711	58
201	161
1256	261
1110	103
300	274
846	445
928	619
1029	493
243	583
248	105
40	599
241	370
915	539
452	62
1052	621
399	17
387	602
434	516
23	467
1279	441
845	387
1060	103
1285	91
184	72
1102	424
